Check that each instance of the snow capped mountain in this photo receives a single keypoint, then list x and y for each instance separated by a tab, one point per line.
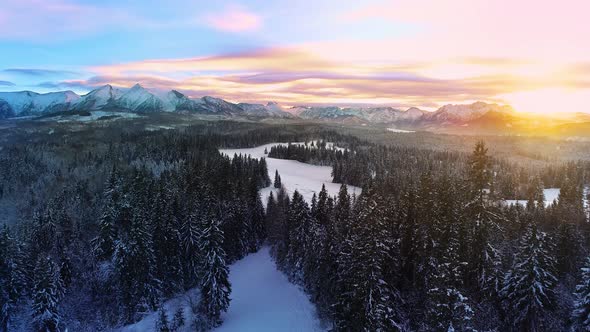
463	113
365	114
271	109
138	99
413	113
27	102
141	100
98	98
210	104
327	112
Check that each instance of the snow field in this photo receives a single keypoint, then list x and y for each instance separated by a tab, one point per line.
262	299
295	175
551	195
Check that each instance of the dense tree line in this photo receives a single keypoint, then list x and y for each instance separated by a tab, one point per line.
364	162
115	230
438	254
105	225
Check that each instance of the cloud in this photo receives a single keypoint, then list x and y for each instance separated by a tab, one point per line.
39	72
234	19
47	20
6	83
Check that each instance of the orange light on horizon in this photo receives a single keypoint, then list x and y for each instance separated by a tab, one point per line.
549	101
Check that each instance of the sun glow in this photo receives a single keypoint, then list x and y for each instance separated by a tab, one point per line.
549	101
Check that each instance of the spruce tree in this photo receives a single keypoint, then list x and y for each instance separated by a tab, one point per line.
215	286
529	285
162	324
483	217
47	292
366	302
190	232
135	263
178	320
277	182
299	223
104	243
8	292
449	309
581	313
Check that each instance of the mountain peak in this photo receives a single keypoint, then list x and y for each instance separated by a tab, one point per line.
137	86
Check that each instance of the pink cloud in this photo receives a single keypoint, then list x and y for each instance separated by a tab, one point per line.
234	19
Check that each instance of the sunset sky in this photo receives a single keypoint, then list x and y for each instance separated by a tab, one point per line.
534	55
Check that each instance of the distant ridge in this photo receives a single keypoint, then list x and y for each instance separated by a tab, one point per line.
139	99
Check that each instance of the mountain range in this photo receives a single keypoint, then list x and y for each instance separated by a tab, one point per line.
141	100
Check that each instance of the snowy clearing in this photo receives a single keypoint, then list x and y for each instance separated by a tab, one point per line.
395	130
295	175
551	195
184	301
262	299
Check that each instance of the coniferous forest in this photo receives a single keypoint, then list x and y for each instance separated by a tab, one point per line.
101	225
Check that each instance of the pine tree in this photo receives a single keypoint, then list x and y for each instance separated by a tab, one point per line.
277	183
135	262
323	210
162	324
366	302
581	313
178	320
342	214
449	310
299	223
256	218
215	286
104	243
190	231
483	217
529	285
46	295
8	291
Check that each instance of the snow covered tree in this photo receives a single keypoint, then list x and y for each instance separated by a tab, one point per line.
449	309
298	221
529	285
483	216
104	243
47	292
178	320
190	231
256	218
277	183
215	286
323	210
366	302
135	262
581	313
162	324
8	291
342	214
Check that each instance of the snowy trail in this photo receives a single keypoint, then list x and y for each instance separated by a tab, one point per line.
295	175
262	299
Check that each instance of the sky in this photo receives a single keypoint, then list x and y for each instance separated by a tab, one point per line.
533	55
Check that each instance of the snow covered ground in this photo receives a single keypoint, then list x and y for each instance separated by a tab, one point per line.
295	175
262	299
395	130
551	194
94	115
184	301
